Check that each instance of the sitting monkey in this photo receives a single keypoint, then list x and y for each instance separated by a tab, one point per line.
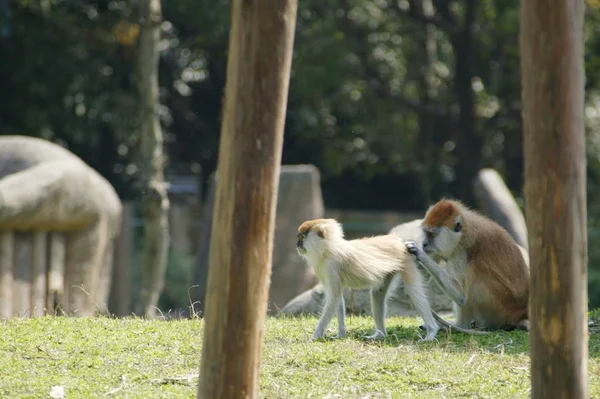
486	273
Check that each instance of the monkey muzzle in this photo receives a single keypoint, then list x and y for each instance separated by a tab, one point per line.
300	246
427	247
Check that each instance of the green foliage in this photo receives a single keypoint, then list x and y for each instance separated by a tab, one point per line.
135	358
592	113
357	103
177	281
594	285
174	299
65	78
389	124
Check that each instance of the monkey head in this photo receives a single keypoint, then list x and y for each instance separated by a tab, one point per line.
315	236
442	228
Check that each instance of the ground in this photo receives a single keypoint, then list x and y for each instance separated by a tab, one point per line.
135	358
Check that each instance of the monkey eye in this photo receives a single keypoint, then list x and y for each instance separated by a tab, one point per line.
320	234
458	227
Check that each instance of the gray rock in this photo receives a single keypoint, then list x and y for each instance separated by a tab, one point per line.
44	187
497	202
299	199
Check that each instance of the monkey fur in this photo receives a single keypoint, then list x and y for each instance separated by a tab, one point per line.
364	263
486	272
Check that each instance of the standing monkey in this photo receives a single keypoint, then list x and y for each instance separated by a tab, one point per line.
486	273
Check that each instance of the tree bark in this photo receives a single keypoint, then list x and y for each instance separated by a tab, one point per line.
120	300
202	260
425	39
555	194
258	72
468	140
155	201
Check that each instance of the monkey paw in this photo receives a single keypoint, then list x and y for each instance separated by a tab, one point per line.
427	338
318	335
431	333
377	336
341	334
412	247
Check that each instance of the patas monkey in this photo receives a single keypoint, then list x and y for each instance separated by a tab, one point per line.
365	263
486	273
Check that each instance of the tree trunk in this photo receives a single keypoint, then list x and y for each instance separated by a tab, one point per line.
155	201
120	300
258	71
425	39
468	140
555	195
202	259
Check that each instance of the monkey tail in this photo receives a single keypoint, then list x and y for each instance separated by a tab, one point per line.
449	326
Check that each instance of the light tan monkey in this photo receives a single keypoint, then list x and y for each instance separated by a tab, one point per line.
486	273
365	263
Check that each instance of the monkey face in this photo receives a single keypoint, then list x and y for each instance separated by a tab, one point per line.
441	241
314	235
310	241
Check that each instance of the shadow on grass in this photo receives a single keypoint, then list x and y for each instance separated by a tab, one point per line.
507	342
504	342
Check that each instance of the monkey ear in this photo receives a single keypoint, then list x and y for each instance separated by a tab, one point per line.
458	225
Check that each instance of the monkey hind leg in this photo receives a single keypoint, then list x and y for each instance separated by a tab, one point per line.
378	309
418	296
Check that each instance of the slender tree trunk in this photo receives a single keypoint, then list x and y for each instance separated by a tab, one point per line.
552	68
468	141
155	200
425	39
258	71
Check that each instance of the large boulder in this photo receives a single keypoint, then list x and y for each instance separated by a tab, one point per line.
496	201
358	301
46	188
299	199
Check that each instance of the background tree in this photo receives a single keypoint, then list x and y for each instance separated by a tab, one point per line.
155	202
357	106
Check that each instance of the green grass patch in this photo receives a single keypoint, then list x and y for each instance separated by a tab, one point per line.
136	358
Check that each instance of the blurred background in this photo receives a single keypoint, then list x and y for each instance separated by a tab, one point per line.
396	103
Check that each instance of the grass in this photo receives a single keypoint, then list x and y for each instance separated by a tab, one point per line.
136	358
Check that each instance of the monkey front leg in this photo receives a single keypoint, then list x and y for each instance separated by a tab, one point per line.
445	282
341	315
333	300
